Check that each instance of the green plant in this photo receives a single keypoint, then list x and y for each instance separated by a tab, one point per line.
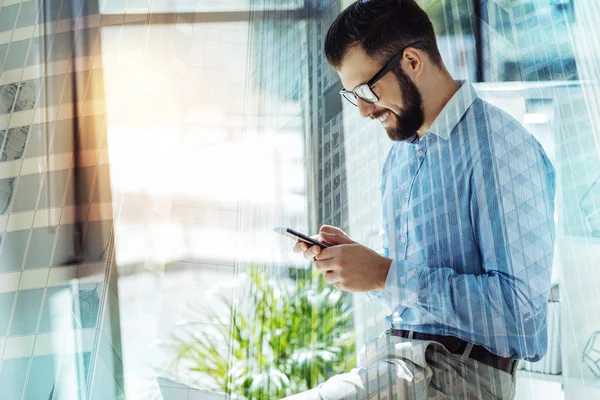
283	336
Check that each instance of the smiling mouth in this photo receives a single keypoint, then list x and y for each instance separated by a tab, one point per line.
384	117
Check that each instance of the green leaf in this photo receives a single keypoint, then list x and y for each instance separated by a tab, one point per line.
283	336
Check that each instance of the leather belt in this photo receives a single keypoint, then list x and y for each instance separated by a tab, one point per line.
458	346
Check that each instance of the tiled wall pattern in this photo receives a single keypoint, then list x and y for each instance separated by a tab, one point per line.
56	341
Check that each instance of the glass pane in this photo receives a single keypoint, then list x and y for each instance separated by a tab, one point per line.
27	311
13	250
218	141
42	377
529	40
191	6
12	377
165	140
6	306
454	27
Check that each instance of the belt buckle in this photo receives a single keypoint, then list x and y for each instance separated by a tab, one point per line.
457	346
387	332
390	332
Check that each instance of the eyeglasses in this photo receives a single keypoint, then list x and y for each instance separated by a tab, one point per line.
364	91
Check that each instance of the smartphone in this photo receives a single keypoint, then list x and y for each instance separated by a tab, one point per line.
292	234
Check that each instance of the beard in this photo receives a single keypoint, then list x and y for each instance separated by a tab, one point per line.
411	116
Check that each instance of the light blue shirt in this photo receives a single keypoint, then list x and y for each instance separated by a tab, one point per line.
468	220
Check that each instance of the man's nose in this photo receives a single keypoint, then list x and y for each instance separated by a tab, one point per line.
365	108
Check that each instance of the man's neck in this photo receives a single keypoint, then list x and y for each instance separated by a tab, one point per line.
435	96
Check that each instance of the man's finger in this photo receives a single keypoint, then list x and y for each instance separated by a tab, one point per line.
324	265
330	277
336	238
300	247
311	252
332	230
327	231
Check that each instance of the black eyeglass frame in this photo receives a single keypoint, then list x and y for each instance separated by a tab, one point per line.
352	95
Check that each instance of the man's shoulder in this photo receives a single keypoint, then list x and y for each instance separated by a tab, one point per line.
494	119
495	125
502	136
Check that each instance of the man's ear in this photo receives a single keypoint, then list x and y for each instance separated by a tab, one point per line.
412	62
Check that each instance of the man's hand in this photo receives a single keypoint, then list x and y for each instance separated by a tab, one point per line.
348	265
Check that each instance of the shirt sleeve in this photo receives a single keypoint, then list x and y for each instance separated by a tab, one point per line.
379	295
512	218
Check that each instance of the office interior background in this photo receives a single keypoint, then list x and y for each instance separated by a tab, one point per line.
149	147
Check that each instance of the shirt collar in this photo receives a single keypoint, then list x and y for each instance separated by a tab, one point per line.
453	111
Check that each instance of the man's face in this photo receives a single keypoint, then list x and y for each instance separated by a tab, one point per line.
399	108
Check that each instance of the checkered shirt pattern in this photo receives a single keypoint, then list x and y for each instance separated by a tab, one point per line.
468	220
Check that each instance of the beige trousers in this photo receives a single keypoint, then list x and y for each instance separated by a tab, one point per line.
395	368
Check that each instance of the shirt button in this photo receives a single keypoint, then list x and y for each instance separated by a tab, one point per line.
420	153
406	195
403	239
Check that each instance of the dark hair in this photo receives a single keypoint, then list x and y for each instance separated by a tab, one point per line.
382	28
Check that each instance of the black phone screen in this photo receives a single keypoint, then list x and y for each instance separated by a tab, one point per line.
292	234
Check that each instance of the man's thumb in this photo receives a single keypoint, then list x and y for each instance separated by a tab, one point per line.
332	229
334	238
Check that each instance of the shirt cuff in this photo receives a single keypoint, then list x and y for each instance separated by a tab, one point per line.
402	284
377	295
